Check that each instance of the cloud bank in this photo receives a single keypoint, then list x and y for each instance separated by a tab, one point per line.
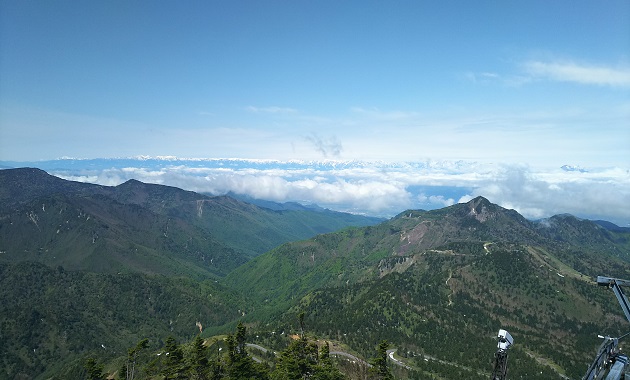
377	188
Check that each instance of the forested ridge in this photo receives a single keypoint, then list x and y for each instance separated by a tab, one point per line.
441	283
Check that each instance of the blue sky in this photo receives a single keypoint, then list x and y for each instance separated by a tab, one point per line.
529	84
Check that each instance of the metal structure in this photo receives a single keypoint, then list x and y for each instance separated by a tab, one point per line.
501	356
609	361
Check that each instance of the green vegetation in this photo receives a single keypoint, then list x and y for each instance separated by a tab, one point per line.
137	227
50	317
301	359
379	363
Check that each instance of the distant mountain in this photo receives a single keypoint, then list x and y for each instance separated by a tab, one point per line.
18	186
441	283
142	227
355	252
612	226
277	206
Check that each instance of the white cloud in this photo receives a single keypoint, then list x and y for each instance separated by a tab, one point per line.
602	194
436	200
386	189
351	194
579	73
482	77
558	71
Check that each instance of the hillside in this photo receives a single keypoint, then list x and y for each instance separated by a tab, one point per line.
441	283
83	265
142	227
356	254
51	318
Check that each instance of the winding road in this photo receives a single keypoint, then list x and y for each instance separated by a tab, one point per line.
390	355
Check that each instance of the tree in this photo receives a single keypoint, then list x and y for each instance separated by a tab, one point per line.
240	365
301	360
198	360
94	369
128	370
301	318
241	335
326	369
216	370
298	361
174	365
379	363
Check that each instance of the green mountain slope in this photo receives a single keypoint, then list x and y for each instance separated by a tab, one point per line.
354	255
51	318
122	263
242	226
99	234
441	283
26	184
142	227
449	306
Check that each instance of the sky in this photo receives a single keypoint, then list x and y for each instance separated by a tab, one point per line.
514	90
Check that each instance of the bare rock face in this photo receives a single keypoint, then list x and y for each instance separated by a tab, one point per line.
480	209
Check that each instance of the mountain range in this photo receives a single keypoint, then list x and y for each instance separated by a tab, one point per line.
439	283
143	227
88	268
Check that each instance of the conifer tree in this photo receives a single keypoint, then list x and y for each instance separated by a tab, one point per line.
94	369
301	360
379	363
128	369
240	365
326	370
241	334
174	366
198	360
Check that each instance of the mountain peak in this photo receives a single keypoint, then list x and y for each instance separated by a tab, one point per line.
479	200
481	208
25	184
131	182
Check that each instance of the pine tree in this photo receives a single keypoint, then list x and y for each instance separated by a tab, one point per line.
301	360
379	363
326	369
174	366
94	369
128	370
240	365
198	360
241	335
